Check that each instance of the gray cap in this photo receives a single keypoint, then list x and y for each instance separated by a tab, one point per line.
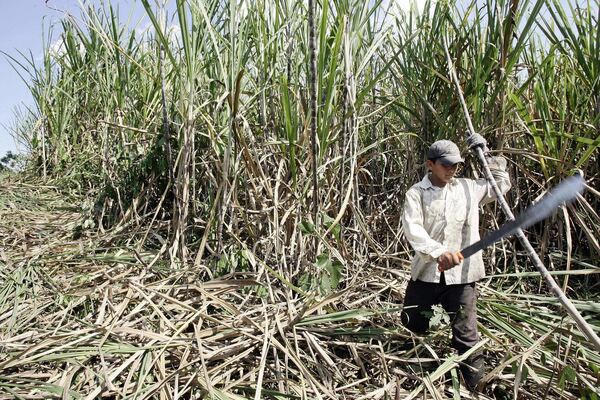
445	151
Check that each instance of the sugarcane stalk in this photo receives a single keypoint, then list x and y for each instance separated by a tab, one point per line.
585	328
312	84
163	97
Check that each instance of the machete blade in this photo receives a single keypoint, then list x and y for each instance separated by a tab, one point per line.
565	192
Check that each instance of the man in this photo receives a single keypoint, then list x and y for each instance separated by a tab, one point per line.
441	217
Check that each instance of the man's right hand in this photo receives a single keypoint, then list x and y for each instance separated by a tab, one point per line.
448	260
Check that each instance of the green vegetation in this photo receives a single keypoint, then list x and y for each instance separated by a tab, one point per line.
164	239
11	162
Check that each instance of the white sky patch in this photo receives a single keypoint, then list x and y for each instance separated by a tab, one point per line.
173	34
57	48
397	9
242	9
405	6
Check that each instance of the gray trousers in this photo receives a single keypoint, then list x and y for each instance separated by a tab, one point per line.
457	300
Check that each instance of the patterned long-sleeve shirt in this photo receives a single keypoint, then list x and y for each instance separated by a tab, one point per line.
440	219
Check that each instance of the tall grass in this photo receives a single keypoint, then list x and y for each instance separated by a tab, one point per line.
255	172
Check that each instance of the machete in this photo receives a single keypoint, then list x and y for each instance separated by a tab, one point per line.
565	192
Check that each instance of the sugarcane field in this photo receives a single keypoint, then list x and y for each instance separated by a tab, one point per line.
301	199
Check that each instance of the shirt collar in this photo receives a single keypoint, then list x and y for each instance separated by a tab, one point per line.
426	183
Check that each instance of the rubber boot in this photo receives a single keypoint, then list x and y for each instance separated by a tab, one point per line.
472	370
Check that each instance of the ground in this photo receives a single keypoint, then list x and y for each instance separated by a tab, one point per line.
85	314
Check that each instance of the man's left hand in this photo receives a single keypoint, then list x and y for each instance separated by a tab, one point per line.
476	140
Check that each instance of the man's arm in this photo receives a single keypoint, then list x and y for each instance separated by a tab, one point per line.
483	189
412	221
485	192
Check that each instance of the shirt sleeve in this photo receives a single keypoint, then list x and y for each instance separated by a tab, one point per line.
484	190
412	221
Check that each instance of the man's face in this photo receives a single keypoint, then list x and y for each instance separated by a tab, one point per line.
442	173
